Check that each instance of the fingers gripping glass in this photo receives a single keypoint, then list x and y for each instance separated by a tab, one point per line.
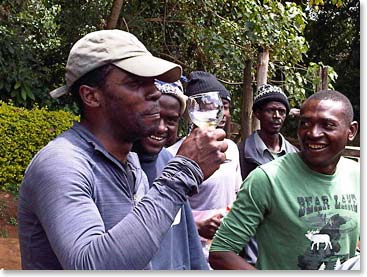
206	110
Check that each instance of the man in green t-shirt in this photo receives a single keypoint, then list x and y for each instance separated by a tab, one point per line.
304	208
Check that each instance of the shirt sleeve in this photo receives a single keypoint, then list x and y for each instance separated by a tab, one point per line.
252	203
62	199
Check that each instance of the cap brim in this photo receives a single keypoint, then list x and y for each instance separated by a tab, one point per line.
150	66
56	93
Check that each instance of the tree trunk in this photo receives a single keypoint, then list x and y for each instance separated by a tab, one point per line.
114	15
323	76
261	78
247	102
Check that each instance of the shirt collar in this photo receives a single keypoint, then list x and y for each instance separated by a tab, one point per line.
84	133
261	146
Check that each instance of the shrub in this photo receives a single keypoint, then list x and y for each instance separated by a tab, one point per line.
22	134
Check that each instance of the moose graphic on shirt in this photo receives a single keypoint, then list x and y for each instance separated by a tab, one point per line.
324	244
317	238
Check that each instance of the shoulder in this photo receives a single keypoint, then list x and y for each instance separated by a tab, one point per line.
251	137
174	147
133	158
63	150
257	181
166	154
285	161
61	157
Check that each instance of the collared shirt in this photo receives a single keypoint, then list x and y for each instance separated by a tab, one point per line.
78	210
262	148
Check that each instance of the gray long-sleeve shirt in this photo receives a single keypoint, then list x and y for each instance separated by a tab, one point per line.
77	209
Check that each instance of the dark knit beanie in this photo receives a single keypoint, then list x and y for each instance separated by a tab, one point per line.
200	82
267	93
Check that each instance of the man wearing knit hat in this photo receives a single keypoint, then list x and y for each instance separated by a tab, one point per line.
200	82
219	191
84	202
270	107
180	247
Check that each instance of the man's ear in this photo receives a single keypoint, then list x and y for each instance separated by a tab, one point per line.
353	129
257	113
90	96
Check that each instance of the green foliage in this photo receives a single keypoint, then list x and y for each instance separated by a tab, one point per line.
12	221
27	42
337	43
218	36
23	133
2	208
317	3
213	35
4	233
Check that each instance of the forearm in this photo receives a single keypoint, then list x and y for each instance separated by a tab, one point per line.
153	216
78	234
226	260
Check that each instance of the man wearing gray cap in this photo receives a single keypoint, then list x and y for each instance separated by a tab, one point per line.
84	202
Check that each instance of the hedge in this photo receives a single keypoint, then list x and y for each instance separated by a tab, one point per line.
23	133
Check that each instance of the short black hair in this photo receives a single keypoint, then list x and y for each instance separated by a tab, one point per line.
95	78
337	97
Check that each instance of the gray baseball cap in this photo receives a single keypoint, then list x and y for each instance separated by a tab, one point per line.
119	48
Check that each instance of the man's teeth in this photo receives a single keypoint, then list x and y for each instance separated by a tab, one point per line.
156	138
316	146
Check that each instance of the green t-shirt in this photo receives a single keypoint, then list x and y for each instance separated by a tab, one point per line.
302	219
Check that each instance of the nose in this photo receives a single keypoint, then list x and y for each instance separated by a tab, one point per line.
162	127
276	114
314	131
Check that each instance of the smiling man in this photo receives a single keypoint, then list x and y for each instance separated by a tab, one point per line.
304	208
180	247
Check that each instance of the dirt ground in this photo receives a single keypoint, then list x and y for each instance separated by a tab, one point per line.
9	245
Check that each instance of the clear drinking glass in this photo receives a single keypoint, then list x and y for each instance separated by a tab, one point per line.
206	110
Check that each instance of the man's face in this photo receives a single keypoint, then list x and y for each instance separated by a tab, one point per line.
227	115
271	116
323	134
170	115
130	106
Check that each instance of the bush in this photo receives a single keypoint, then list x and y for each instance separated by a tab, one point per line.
22	134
